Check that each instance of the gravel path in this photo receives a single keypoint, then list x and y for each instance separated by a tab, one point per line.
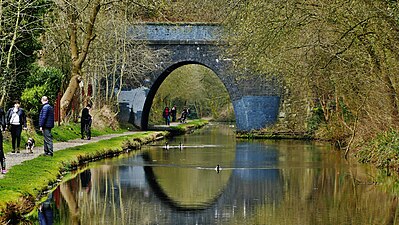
17	158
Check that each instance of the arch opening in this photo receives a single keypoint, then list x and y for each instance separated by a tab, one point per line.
188	84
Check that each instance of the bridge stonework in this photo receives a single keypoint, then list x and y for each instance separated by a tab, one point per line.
255	99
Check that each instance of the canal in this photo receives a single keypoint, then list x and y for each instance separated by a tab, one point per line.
259	182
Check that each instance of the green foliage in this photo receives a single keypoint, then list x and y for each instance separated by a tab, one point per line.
21	27
42	81
382	151
347	114
315	119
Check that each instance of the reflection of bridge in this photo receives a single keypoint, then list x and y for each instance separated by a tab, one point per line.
256	101
246	187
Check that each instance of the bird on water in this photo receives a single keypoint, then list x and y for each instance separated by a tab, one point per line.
217	168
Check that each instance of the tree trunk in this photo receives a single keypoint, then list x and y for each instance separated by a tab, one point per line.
69	93
78	55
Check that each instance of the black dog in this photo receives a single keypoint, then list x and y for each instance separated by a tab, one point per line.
30	144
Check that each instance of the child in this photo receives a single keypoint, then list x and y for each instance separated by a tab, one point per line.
2	129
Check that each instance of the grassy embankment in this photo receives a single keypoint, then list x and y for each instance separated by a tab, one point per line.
25	183
266	134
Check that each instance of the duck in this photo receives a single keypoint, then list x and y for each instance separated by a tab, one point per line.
166	147
217	168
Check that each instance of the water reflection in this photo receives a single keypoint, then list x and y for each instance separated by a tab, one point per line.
46	212
261	182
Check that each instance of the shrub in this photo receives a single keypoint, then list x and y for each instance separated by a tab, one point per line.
43	81
382	151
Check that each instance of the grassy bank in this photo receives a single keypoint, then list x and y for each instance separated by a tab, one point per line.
382	151
187	127
25	183
260	134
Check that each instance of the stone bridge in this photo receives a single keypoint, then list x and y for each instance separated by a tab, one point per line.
256	100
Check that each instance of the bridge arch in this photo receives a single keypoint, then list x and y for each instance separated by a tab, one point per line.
157	84
255	99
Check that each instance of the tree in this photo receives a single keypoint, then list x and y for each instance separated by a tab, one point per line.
82	20
78	52
336	55
21	25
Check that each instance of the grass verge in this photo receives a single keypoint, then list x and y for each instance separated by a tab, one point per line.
187	127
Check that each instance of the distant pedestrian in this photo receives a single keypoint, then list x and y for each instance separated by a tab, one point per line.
166	115
46	123
173	113
183	116
85	122
2	129
16	121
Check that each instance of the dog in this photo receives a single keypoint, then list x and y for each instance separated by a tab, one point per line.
30	144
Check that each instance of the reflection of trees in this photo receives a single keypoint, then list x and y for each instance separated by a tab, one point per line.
104	202
70	199
323	191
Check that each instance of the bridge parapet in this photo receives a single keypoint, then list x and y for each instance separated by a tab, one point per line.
177	33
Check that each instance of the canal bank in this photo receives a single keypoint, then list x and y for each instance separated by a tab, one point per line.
25	183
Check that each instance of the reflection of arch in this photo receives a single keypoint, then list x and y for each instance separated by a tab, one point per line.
254	179
163	192
155	86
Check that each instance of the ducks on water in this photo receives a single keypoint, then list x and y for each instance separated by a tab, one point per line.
167	146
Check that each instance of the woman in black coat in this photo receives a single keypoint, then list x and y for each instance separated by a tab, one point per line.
2	129
16	121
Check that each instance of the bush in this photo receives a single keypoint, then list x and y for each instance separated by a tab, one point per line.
315	119
43	81
382	151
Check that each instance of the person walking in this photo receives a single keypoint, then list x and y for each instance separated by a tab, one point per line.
183	116
85	122
2	129
16	121
46	123
173	113
166	115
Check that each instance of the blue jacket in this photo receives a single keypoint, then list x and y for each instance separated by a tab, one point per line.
46	117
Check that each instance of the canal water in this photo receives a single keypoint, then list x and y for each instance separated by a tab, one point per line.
258	182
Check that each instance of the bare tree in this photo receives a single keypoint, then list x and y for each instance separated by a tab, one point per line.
334	54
